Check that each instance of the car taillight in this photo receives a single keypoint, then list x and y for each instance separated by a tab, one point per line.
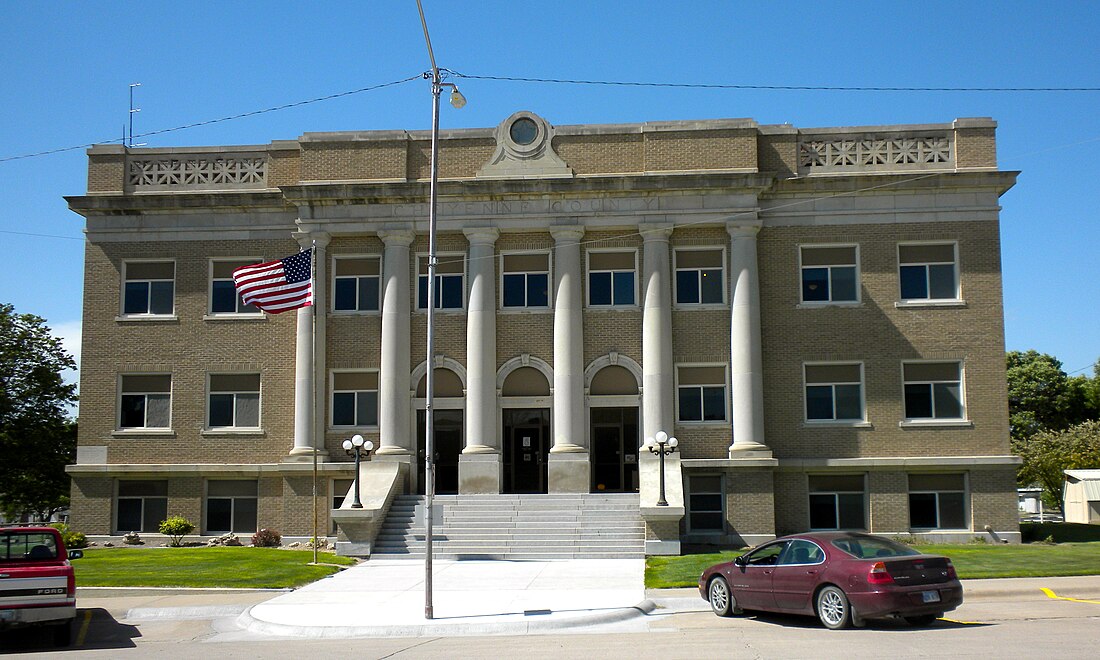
951	574
879	574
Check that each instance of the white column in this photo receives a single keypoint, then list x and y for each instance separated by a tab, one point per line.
481	344
395	434
746	355
657	362
569	435
307	436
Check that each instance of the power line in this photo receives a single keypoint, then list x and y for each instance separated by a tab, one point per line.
218	120
803	88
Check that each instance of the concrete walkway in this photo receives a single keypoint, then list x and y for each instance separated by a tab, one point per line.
385	598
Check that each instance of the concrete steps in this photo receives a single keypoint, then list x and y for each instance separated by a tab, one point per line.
597	526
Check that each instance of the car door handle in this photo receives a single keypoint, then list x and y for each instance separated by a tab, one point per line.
813	572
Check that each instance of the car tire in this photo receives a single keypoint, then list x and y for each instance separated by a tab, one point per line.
833	608
63	633
721	599
922	620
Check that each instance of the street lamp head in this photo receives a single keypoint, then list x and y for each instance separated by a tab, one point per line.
347	445
661	437
672	442
457	99
357	440
649	442
368	446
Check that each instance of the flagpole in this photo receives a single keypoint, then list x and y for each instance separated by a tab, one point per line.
313	399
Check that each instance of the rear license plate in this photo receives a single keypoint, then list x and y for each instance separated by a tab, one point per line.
930	596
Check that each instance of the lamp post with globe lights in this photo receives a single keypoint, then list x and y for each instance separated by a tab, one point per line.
357	447
661	445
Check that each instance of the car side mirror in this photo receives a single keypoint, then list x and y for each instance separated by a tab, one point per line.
740	561
76	554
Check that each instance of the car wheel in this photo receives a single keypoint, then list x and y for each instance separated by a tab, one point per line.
63	633
833	608
922	620
721	600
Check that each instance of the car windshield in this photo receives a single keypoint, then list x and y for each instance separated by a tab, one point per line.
27	546
870	547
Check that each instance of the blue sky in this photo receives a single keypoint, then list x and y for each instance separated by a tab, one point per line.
66	68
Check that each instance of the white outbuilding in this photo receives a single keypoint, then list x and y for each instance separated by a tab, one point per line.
1082	496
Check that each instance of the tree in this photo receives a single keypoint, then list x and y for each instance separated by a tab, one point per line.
1047	453
1041	397
37	440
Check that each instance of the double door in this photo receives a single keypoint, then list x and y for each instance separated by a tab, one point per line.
526	450
447	445
614	455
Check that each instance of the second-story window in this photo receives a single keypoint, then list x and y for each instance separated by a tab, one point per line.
834	392
928	271
526	280
149	288
234	401
611	277
224	298
355	284
829	274
699	277
449	282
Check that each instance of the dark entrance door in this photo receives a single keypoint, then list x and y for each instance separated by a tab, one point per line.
447	444
614	450
526	449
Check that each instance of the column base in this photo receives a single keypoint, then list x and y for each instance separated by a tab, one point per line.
747	450
392	451
305	455
569	472
480	473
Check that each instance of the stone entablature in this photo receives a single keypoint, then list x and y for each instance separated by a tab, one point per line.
709	146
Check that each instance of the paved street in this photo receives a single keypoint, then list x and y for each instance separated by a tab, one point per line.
1001	618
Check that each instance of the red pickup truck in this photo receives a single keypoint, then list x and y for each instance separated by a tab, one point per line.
37	586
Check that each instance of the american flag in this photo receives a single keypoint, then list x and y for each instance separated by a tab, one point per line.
277	286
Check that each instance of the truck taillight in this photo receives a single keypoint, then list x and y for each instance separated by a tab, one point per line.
72	585
951	574
879	574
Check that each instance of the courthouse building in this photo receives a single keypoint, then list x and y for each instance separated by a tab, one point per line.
815	314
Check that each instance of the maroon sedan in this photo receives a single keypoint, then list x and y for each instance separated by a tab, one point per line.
844	578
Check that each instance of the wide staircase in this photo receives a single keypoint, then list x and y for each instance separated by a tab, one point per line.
582	526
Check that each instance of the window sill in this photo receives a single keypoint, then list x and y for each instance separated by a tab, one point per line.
143	433
613	308
823	305
352	429
354	312
443	310
213	433
163	318
837	423
718	424
905	304
526	310
936	423
683	307
234	317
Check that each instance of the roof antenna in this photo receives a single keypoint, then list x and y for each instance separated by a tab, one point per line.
130	139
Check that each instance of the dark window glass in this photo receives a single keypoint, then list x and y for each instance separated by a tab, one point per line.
368	293
156	510
624	288
136	298
922	510
687	286
244	514
815	284
848	404
422	292
851	510
133	411
711	285
451	297
343	409
948	402
219	514
537	290
819	402
844	283
706	520
599	288
706	501
160	297
514	290
691	404
367	408
823	511
941	281
129	515
221	410
223	296
952	510
345	294
714	403
918	401
914	282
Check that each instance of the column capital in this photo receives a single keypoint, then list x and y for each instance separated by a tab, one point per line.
748	227
307	239
655	231
567	232
397	236
481	235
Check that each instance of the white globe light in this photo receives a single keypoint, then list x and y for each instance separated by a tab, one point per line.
347	445
649	442
369	446
672	442
662	437
357	440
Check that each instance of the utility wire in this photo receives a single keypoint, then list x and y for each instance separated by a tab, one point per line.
220	119
815	88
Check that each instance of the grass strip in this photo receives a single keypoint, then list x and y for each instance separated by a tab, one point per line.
240	567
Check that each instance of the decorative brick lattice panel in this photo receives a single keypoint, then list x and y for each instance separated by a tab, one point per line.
198	173
876	155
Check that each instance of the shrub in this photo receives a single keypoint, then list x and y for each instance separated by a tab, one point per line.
175	528
267	538
71	538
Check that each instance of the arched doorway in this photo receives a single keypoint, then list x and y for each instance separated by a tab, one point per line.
448	424
525	427
613	396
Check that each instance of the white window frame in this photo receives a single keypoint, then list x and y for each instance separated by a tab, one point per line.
725	394
957	300
836	501
210	279
207	530
416	286
962	420
830	303
356	312
966	502
549	272
588	280
689	510
861	421
123	315
676	250
119	428
332	399
259	403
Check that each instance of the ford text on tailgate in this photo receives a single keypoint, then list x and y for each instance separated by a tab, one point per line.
37	586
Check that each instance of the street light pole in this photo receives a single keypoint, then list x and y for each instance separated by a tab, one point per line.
357	447
662	446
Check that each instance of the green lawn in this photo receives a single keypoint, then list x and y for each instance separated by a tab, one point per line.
257	568
971	561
